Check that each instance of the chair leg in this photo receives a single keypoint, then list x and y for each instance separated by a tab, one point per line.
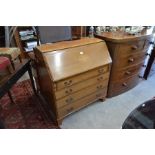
20	59
13	65
10	96
32	80
9	69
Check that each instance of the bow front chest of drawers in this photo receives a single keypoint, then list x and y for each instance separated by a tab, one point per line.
73	74
128	53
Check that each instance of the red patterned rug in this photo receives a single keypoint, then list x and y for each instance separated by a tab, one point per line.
27	112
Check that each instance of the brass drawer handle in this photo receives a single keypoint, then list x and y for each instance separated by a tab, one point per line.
124	84
68	91
131	59
69	100
99	87
127	72
68	83
70	110
100	78
134	47
101	70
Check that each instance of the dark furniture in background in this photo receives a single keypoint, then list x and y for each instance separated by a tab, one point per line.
52	34
22	41
78	32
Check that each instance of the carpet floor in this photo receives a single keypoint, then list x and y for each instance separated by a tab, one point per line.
27	112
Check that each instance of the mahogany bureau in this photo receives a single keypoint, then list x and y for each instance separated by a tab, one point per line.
73	74
128	53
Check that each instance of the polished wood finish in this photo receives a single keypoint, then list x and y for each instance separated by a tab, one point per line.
73	74
128	53
81	85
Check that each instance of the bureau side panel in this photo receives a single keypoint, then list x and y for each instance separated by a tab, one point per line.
45	81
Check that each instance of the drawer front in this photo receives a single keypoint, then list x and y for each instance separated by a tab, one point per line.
131	48
70	99
81	85
62	112
130	60
122	86
127	72
81	77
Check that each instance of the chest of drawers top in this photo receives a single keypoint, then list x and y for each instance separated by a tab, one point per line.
122	38
70	58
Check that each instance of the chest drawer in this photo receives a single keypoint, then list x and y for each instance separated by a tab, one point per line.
62	112
131	48
127	72
130	60
73	80
70	99
147	43
123	85
81	85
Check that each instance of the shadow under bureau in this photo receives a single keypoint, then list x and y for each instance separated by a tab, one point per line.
73	74
128	53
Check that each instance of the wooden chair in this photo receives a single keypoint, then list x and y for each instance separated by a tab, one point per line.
149	65
12	53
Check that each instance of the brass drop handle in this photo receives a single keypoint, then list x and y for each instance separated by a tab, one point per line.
68	83
124	84
127	72
134	47
69	100
98	95
101	70
100	78
68	91
70	110
99	87
131	59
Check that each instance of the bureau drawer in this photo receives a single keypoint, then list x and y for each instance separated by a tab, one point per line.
81	85
127	72
130	60
62	112
131	48
70	99
123	85
70	81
